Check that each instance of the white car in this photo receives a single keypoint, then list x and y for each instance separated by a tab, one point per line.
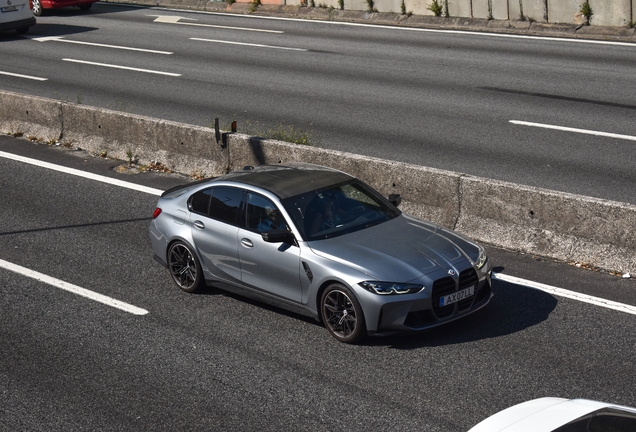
551	414
16	15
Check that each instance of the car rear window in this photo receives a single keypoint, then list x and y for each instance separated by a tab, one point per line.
220	203
225	204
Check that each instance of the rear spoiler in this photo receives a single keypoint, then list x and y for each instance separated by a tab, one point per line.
184	186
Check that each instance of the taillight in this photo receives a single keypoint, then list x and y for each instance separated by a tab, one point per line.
31	4
156	213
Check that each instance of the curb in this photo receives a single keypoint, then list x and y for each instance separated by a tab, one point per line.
557	225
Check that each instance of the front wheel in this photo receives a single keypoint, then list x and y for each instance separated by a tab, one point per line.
184	267
85	6
342	314
37	8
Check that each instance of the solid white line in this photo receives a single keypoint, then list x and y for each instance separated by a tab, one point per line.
569	129
597	301
83	174
249	44
61	39
497	276
24	76
122	67
109	301
424	30
163	19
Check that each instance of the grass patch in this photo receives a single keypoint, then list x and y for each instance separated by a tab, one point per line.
283	132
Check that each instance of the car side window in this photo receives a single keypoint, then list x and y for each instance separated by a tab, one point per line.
225	204
263	215
200	202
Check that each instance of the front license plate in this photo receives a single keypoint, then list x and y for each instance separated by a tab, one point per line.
455	297
9	9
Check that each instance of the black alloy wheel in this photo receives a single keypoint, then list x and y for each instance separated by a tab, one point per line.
184	267
342	314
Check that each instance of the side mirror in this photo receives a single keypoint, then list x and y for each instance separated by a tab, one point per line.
395	199
278	236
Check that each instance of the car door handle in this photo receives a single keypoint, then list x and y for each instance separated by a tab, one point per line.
247	242
199	224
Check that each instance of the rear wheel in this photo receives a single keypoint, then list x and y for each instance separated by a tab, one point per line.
22	30
342	314
37	8
85	6
184	267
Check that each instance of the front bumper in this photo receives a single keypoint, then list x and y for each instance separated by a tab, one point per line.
13	25
421	314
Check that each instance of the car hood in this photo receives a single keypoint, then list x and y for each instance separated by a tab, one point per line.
399	250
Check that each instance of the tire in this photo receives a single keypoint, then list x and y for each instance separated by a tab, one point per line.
184	267
342	314
22	30
37	8
85	6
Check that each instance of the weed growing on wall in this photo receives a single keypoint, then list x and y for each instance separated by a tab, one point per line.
436	8
254	5
341	4
586	11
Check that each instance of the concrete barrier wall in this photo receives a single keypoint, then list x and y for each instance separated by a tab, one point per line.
188	150
552	224
30	116
606	12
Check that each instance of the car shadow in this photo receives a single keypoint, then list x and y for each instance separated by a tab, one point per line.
44	30
96	9
512	309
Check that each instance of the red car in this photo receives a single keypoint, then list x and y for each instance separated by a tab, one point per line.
40	5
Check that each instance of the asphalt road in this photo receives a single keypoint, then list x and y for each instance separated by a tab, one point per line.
441	99
214	361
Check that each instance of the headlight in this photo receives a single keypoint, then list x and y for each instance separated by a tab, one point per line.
386	288
481	259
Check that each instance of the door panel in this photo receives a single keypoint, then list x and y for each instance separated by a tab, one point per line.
217	246
272	267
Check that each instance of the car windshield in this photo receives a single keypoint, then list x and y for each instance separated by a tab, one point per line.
338	210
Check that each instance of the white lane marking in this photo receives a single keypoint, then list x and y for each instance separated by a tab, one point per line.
61	39
569	129
109	301
83	174
23	76
122	67
249	44
512	279
423	30
177	20
597	301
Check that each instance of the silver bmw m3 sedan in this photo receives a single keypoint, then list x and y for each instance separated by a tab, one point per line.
321	243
